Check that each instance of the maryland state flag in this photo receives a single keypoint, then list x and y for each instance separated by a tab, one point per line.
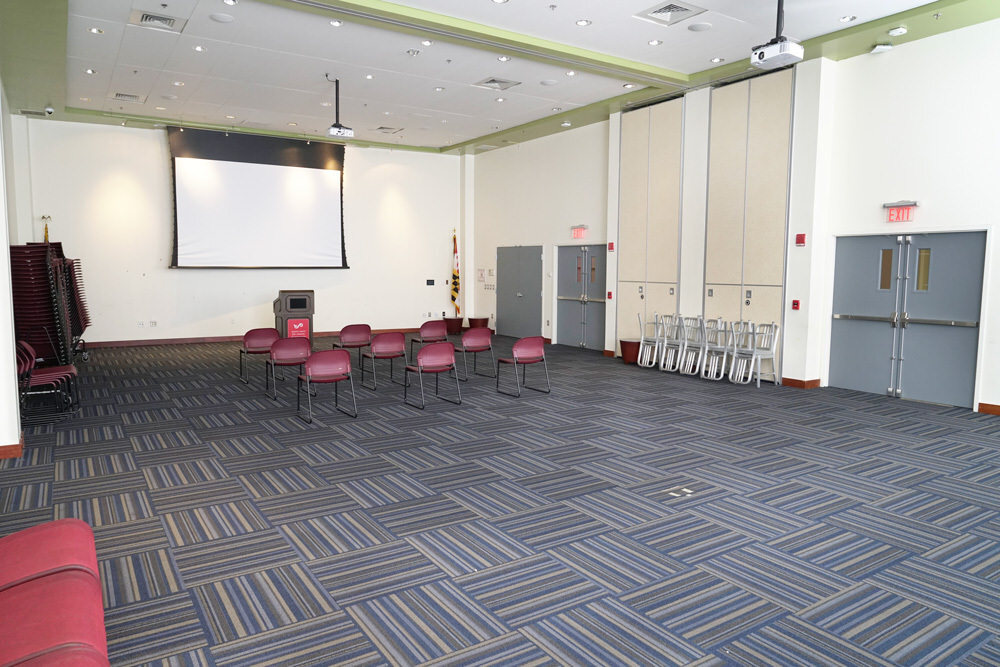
455	283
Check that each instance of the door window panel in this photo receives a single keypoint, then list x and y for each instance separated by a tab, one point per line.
923	269
885	272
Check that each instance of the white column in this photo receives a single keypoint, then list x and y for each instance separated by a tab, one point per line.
10	418
694	200
614	166
467	235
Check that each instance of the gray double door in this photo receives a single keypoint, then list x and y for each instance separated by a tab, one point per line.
519	291
580	292
906	315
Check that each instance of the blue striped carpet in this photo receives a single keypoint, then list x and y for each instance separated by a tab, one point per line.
629	518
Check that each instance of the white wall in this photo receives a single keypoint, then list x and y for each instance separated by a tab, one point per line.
694	201
531	194
10	418
108	190
918	122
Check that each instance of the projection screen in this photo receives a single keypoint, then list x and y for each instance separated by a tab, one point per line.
256	202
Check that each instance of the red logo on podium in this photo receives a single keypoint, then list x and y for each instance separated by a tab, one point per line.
298	328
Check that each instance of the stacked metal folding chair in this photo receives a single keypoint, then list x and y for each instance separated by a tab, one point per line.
674	342
742	351
649	343
694	346
765	344
713	363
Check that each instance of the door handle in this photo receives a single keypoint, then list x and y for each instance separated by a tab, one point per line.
894	319
905	319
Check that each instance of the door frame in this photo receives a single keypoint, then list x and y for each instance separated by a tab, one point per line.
984	328
553	284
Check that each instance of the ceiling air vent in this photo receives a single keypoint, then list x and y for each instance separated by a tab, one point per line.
494	83
129	97
670	13
388	130
32	112
156	21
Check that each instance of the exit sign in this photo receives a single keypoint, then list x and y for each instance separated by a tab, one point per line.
579	231
900	211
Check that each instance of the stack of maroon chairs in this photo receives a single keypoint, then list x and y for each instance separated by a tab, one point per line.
39	318
50	594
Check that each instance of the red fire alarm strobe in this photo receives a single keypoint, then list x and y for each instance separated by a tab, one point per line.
800	240
609	295
611	246
900	211
795	304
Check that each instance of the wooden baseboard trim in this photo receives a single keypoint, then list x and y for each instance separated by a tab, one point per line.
12	451
548	341
800	384
989	409
609	353
214	339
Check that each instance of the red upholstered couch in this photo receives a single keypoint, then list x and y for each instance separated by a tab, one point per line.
50	597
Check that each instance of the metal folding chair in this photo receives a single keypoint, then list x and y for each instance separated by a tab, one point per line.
325	367
672	346
527	351
742	352
433	358
649	342
713	365
694	346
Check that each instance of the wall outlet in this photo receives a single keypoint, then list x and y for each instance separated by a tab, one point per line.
152	323
140	324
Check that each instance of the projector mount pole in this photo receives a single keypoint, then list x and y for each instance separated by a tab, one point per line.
781	22
336	93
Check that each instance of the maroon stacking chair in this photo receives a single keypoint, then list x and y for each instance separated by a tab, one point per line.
59	381
325	367
285	352
255	341
476	340
527	351
390	345
355	336
433	358
431	331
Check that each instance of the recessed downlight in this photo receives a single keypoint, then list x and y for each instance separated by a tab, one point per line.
500	99
200	49
84	99
699	27
583	22
95	31
369	76
499	2
90	70
718	60
566	123
336	23
628	86
848	18
160	108
292	124
178	83
557	109
898	32
413	52
655	42
439	89
570	73
231	3
326	104
230	117
426	42
503	59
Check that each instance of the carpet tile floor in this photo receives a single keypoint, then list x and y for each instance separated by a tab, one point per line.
630	517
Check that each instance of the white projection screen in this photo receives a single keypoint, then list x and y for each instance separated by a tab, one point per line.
237	213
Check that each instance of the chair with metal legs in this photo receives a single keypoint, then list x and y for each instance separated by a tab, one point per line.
325	367
649	341
476	340
527	351
433	358
285	352
742	352
354	336
390	345
255	341
713	365
674	342
431	331
765	345
694	346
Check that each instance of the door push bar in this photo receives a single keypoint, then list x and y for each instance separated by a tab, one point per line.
895	320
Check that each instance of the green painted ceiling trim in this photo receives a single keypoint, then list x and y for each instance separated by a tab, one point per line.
410	20
33	53
147	122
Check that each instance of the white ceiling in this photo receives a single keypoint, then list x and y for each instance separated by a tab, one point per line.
266	67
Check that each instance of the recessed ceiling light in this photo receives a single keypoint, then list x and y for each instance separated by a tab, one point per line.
292	124
336	23
503	59
499	2
84	99
178	83
438	89
90	70
557	108
326	104
200	48
427	42
231	3
230	117
369	76
655	42
123	123
500	99
718	60
444	120
96	31
699	27
848	18
386	113
629	86
583	22
566	123
219	17
161	108
898	32
571	73
413	52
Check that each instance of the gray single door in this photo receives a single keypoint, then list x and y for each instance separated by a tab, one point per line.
580	286
905	315
519	291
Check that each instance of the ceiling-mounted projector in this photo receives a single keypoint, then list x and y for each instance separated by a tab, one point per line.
779	52
776	54
338	130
